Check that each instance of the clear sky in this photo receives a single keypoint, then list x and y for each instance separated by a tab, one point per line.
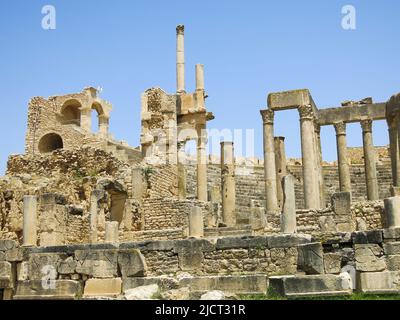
249	49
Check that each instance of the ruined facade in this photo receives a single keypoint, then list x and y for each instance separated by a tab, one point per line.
101	218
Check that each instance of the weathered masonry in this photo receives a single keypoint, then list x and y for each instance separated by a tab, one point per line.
99	218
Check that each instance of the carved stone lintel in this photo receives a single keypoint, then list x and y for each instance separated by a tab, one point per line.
267	116
306	112
366	125
340	128
180	29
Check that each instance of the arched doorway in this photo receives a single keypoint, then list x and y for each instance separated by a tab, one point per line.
50	142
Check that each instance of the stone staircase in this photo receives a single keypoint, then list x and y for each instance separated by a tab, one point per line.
244	230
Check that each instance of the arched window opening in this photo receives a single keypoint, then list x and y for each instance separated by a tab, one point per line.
50	142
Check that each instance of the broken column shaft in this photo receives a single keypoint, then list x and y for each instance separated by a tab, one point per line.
180	59
228	184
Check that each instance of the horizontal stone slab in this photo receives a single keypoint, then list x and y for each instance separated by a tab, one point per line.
312	285
391	233
378	282
70	249
366	237
165	283
289	99
37	290
246	284
241	242
103	287
288	240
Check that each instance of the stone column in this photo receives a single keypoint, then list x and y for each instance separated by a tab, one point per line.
30	221
288	218
369	161
271	198
199	77
137	184
181	171
280	164
196	223
392	212
394	149
94	198
228	184
343	162
310	172
201	164
103	125
86	119
318	158
112	234
180	59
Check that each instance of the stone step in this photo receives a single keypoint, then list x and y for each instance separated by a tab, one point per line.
297	286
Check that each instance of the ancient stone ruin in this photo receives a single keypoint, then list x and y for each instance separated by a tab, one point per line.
84	216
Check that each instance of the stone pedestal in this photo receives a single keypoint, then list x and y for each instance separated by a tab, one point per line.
228	184
343	163
392	212
288	218
196	223
309	158
112	234
30	221
369	161
269	161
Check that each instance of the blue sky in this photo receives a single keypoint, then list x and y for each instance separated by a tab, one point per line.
249	48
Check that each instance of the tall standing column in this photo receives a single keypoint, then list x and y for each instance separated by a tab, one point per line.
310	172
180	59
103	125
369	160
394	149
318	165
228	184
343	162
280	164
30	221
271	198
201	164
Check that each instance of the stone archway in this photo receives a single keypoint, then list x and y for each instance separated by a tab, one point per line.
50	142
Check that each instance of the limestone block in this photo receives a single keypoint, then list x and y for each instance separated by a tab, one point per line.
392	212
241	242
332	263
369	258
378	282
311	258
67	266
243	284
6	275
132	263
103	287
23	271
289	99
288	240
42	265
365	237
14	255
142	293
391	233
165	283
352	273
2	256
213	295
327	224
393	262
311	285
341	203
391	248
258	218
190	253
97	263
176	294
8	245
62	290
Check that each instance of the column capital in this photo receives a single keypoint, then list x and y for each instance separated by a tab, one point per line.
306	112
366	125
267	116
340	128
180	29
